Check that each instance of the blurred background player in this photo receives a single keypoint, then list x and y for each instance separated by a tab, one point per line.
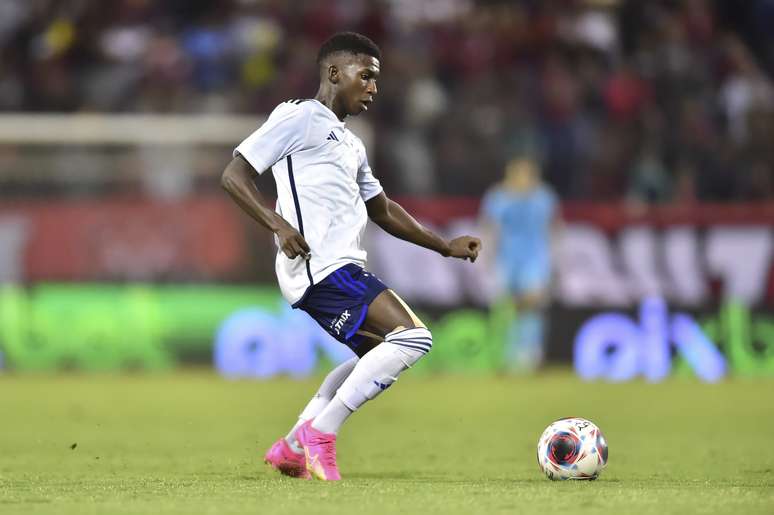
326	194
521	215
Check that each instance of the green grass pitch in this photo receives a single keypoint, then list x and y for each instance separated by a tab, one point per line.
191	442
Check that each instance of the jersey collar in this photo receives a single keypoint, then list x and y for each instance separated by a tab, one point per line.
328	112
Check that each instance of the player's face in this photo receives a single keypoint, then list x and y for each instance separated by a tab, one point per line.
357	87
522	174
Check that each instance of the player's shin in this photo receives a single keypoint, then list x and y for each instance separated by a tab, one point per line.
373	374
524	351
322	398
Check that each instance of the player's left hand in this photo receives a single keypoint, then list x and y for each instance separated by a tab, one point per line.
465	247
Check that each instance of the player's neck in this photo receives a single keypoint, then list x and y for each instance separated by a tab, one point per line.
328	98
520	186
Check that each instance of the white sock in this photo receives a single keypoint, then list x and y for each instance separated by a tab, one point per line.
321	399
374	373
333	416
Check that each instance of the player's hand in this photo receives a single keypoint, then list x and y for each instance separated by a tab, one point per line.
292	243
465	247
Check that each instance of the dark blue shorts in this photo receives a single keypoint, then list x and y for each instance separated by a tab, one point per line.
339	303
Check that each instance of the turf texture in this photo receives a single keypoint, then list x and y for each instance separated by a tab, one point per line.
192	442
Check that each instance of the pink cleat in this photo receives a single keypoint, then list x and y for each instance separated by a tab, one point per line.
320	451
290	463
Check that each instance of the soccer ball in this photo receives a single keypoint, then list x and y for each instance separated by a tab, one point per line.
572	448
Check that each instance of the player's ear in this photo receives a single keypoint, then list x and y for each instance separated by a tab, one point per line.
333	74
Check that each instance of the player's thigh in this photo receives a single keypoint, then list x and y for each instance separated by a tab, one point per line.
388	313
368	341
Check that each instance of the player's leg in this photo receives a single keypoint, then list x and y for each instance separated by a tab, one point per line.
524	348
287	455
527	284
406	340
331	384
387	313
321	398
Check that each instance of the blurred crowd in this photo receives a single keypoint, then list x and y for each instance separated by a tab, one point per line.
652	101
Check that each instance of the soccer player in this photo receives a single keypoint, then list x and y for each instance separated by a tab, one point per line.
521	216
325	194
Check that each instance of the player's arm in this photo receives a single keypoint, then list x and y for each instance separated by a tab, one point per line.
489	233
489	227
237	180
556	231
391	217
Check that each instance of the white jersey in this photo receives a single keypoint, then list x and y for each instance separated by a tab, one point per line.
323	180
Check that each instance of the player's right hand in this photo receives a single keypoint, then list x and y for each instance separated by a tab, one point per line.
292	243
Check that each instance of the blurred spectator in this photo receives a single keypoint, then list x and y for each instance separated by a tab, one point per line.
650	182
744	91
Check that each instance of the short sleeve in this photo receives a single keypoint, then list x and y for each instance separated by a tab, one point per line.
368	184
552	201
284	132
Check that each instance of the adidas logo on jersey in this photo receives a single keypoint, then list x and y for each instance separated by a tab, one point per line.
332	137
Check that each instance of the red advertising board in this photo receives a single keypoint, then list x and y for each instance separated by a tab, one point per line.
609	254
121	239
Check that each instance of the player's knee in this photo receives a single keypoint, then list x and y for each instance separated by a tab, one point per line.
413	343
400	349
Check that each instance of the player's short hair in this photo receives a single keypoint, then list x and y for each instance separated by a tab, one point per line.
348	42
